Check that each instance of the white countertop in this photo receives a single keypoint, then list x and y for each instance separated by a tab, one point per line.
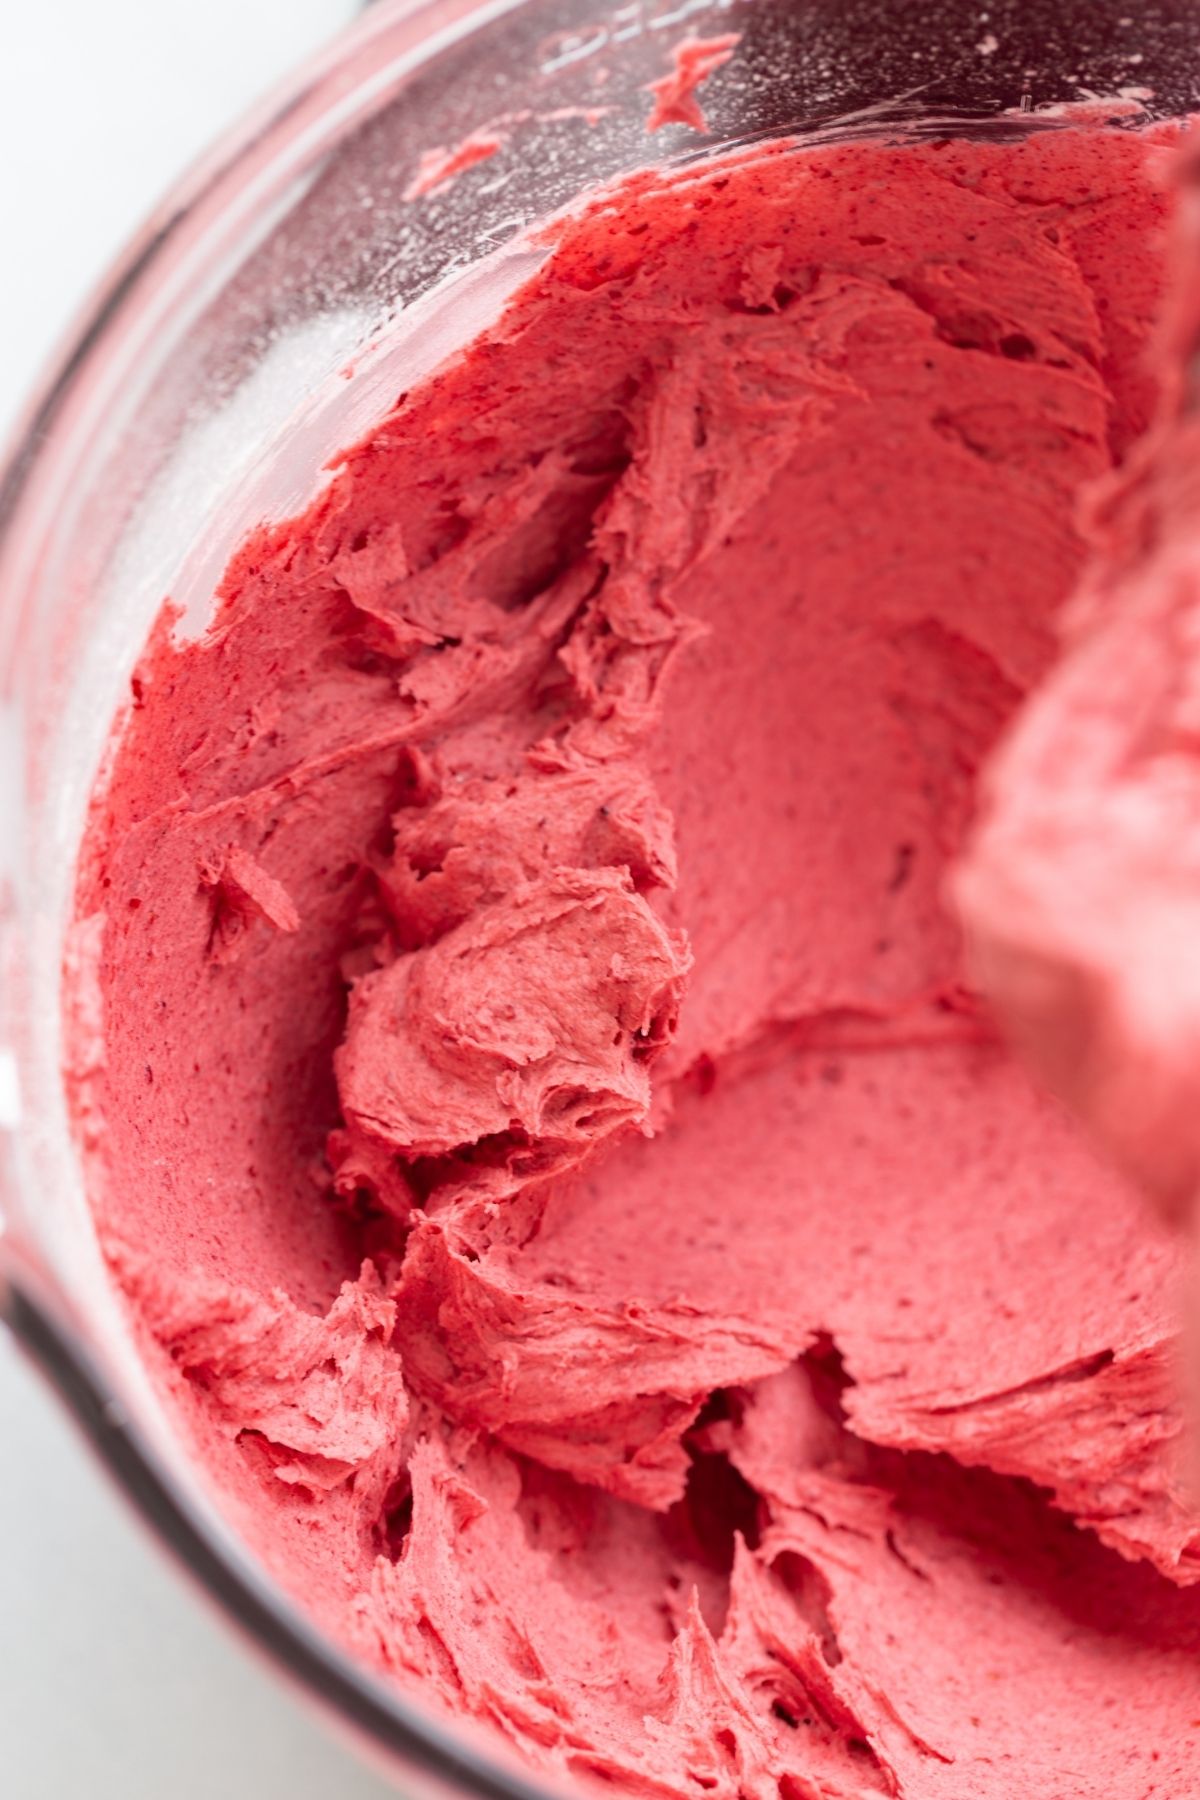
116	1683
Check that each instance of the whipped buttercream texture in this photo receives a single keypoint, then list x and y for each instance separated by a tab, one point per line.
587	1223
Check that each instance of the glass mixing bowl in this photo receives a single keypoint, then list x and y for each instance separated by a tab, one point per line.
279	299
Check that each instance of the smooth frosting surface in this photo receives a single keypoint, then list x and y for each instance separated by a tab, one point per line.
589	1226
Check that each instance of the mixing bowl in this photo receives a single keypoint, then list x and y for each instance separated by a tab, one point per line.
290	287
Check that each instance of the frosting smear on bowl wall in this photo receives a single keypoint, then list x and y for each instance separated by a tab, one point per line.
590	1229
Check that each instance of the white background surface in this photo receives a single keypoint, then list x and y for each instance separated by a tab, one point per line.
115	1683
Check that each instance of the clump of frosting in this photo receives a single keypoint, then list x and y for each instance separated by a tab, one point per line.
528	1030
